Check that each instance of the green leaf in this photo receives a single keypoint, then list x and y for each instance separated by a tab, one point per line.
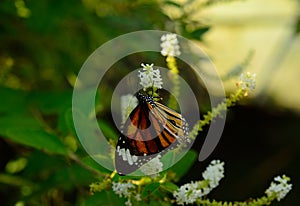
38	139
150	188
51	102
41	163
17	121
13	101
70	176
27	131
184	164
108	131
95	143
197	34
104	198
172	157
92	163
65	122
169	186
168	159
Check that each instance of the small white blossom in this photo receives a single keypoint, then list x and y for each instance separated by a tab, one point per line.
214	173
247	81
190	192
170	45
128	190
128	103
150	77
153	167
122	189
128	203
138	197
279	187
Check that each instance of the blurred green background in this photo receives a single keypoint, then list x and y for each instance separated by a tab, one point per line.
45	43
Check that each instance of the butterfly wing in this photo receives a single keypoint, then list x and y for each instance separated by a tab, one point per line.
151	129
173	121
133	149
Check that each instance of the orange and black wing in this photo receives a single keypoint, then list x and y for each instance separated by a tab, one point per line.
151	129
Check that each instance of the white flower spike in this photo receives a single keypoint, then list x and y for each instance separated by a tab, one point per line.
150	77
189	193
247	81
214	173
279	187
170	45
122	189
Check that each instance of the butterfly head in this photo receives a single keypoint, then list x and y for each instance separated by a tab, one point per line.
144	98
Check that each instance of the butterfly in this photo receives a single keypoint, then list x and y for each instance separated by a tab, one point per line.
151	129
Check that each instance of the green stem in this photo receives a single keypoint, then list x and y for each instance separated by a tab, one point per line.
74	157
217	112
172	65
265	200
14	180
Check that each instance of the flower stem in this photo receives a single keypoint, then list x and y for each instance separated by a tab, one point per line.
217	111
172	65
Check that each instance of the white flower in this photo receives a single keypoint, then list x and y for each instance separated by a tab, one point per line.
247	81
190	192
138	197
128	190
122	189
128	203
128	103
170	45
214	173
279	187
185	193
150	77
153	167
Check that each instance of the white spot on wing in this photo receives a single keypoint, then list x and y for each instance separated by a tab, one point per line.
129	158
134	158
122	152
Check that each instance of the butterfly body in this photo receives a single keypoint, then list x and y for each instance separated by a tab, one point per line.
150	129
